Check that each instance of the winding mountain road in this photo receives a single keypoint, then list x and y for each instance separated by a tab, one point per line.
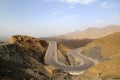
51	59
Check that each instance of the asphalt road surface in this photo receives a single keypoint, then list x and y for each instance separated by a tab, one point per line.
51	59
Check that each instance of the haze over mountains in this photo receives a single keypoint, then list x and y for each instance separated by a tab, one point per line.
22	58
91	33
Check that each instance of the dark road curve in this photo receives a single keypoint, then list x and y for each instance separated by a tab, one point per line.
51	59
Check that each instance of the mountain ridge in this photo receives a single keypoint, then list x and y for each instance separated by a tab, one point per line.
91	33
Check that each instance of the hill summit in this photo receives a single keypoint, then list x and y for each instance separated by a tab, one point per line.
92	33
30	43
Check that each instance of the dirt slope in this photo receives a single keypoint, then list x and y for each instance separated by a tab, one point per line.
107	48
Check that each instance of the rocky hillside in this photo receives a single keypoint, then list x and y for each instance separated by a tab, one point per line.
91	33
105	47
22	58
107	51
34	45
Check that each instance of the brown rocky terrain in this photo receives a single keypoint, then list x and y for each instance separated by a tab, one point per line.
107	51
22	58
105	47
107	70
34	45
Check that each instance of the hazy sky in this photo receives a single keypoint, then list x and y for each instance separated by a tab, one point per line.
53	17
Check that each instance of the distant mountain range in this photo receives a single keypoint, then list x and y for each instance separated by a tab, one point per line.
91	33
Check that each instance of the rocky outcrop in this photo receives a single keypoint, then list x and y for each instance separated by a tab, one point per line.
21	59
36	46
